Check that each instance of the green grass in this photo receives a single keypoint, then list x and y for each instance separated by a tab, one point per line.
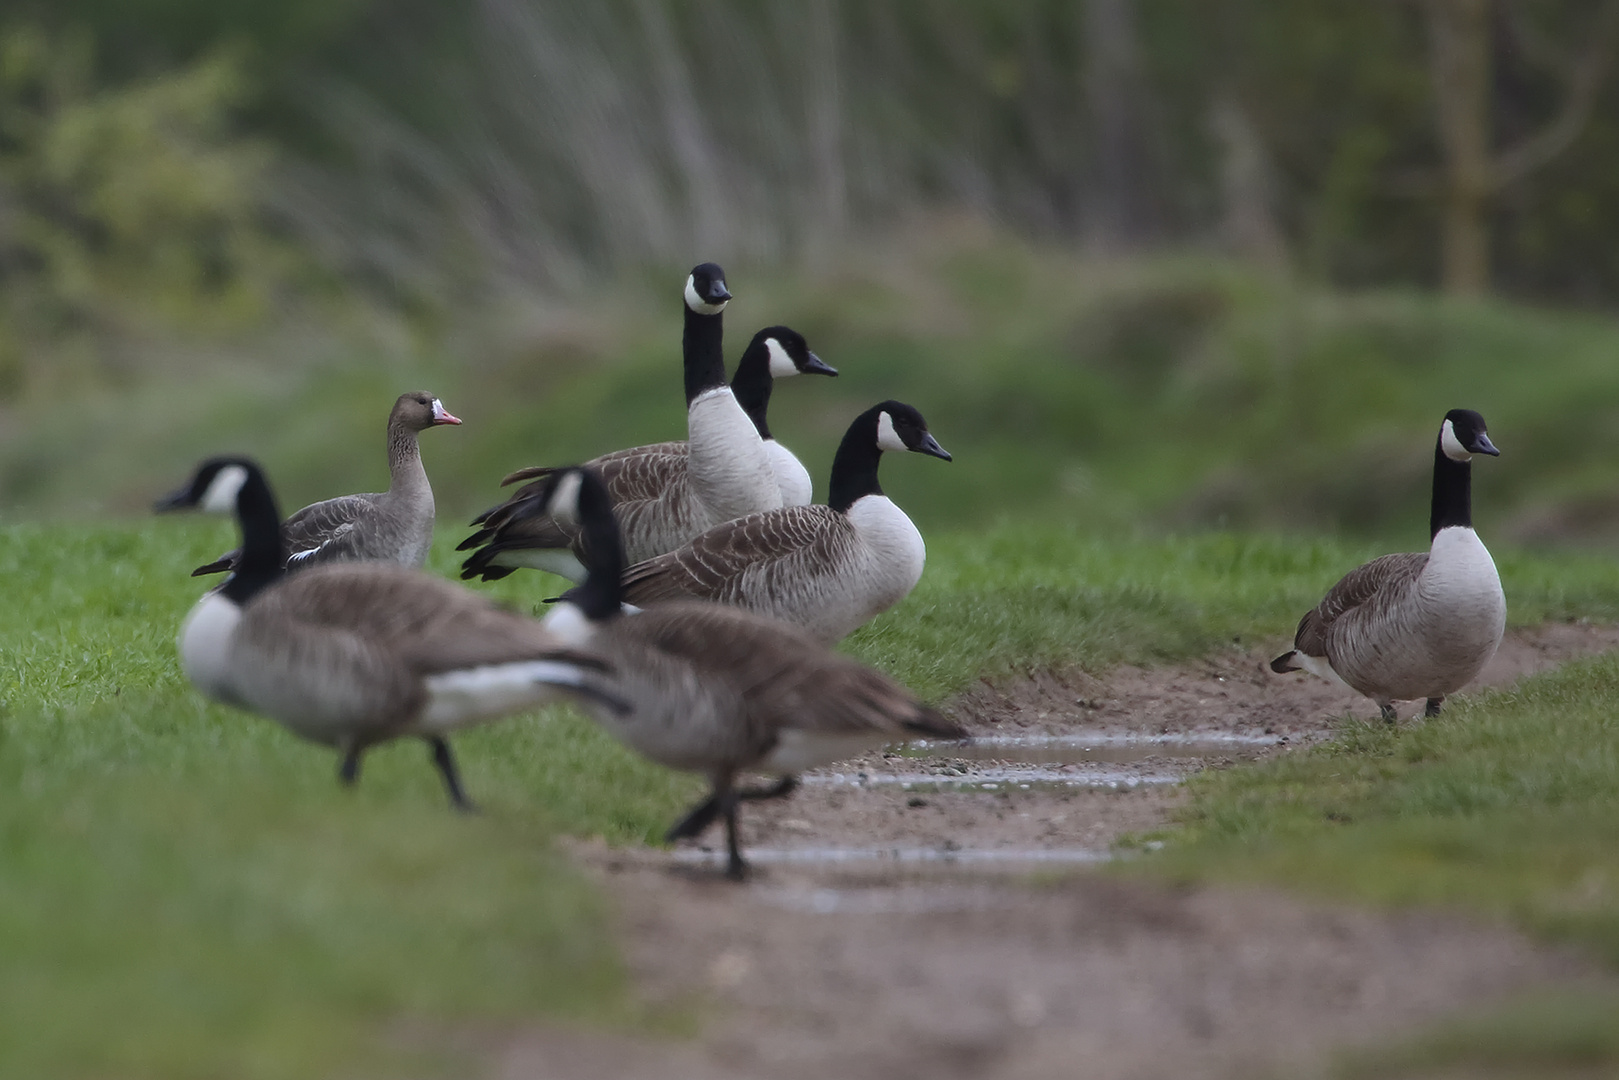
185	891
1178	391
1507	806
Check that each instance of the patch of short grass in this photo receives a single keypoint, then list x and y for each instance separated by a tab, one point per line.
1507	807
1551	1035
186	892
1021	597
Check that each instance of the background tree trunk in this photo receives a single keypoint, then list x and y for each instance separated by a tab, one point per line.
1459	42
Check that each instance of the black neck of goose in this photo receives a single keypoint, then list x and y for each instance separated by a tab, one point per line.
1452	493
264	553
752	385
602	594
854	467
702	349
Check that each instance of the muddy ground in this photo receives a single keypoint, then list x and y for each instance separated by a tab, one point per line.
929	914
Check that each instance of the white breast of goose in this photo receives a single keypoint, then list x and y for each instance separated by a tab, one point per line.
205	645
729	470
895	548
1460	595
874	564
792	479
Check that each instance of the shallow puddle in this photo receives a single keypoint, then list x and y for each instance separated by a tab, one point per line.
1000	778
1008	857
1077	748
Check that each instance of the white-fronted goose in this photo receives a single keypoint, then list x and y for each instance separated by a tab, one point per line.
826	569
661	497
717	690
1420	624
352	655
391	526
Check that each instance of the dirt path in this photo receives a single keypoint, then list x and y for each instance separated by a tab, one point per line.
882	935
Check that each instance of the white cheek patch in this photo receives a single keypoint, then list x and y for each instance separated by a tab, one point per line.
220	498
1453	447
565	502
697	303
887	437
781	365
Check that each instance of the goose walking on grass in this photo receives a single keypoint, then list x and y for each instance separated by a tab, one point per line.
392	526
662	496
1420	624
716	690
353	655
826	569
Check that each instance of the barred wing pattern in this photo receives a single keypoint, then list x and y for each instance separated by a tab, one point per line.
1364	594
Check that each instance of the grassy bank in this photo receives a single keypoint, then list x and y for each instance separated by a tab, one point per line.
1506	807
184	891
1179	392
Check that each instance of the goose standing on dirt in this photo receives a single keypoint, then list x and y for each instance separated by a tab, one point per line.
826	569
1420	624
352	655
716	690
661	497
392	526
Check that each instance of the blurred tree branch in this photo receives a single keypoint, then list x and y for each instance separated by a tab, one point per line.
1472	172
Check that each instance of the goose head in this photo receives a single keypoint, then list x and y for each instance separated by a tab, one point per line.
788	353
901	427
1462	435
706	293
418	410
214	487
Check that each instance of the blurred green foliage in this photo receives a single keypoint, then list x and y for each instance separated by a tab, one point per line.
126	212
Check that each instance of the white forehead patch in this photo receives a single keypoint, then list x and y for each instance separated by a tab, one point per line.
887	437
1453	447
220	498
781	365
565	501
697	303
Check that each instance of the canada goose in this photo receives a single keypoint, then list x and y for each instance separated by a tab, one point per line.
392	526
716	690
352	655
776	352
661	497
826	569
1419	624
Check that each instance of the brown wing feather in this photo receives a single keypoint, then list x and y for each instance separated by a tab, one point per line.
785	678
708	566
430	624
323	523
1355	588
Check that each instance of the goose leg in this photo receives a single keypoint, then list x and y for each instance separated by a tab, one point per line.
780	789
735	867
445	761
1431	710
348	767
696	820
1389	715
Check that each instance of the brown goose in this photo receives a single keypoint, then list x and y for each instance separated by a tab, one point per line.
357	654
662	496
1419	624
826	569
716	690
392	526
